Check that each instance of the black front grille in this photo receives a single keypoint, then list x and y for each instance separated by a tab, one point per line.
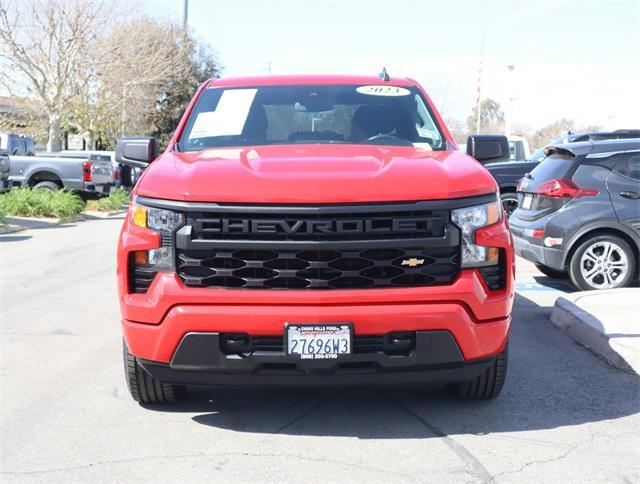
318	247
318	269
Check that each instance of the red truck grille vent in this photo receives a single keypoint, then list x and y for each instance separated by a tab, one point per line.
318	269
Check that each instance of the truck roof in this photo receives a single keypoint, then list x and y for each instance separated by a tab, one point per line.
281	80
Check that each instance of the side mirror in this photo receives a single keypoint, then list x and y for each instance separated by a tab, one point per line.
488	148
138	152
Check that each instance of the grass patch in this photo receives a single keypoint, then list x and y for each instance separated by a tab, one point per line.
114	201
28	202
3	216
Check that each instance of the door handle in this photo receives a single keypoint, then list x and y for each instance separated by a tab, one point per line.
631	195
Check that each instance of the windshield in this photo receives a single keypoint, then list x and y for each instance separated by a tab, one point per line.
386	115
537	155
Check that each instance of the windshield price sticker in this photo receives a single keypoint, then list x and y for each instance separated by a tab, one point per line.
383	90
229	117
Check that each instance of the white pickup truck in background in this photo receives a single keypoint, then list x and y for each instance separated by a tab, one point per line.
89	172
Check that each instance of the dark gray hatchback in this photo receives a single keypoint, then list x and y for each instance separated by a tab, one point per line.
579	213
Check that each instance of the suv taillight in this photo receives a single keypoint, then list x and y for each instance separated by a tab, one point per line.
557	188
86	171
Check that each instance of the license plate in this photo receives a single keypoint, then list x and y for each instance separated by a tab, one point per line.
318	341
527	200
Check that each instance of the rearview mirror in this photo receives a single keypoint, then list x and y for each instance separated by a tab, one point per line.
488	148
138	151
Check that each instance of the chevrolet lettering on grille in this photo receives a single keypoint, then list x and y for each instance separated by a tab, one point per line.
309	227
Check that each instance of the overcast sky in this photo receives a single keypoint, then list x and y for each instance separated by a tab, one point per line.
574	59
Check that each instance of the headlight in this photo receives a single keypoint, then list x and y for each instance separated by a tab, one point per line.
468	220
156	218
164	221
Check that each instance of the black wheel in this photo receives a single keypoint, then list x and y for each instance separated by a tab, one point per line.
603	261
486	385
143	387
509	202
47	185
553	273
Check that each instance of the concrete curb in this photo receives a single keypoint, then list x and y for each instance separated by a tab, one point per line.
93	214
588	331
10	229
42	222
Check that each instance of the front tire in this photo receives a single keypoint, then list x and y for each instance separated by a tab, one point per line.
143	387
488	384
604	261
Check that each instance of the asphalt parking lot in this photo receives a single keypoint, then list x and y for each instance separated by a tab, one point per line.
564	415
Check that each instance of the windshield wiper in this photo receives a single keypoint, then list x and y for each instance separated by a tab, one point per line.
384	138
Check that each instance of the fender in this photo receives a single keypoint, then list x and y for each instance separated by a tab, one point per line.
610	224
42	167
41	171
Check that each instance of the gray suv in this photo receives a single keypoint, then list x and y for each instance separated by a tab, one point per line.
579	213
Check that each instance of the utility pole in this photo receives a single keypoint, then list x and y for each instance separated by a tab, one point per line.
185	14
479	97
510	98
267	67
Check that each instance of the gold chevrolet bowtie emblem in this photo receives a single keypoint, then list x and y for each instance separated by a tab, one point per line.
413	262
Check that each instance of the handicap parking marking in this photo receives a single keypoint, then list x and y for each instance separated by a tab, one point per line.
536	286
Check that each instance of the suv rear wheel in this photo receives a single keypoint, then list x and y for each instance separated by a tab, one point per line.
602	262
488	384
143	387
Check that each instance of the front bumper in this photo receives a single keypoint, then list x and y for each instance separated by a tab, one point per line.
100	188
159	342
155	323
198	359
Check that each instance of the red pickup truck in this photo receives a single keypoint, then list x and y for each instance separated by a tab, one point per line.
314	230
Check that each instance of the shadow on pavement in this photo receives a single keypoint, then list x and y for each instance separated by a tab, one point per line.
14	238
552	382
40	224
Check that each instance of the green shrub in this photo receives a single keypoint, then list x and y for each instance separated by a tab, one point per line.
41	203
115	201
3	216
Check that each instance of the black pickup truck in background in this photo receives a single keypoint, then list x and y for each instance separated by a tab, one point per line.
509	173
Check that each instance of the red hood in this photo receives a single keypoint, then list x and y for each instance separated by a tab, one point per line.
314	174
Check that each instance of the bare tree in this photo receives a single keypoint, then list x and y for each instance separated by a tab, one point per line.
44	46
142	56
132	66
